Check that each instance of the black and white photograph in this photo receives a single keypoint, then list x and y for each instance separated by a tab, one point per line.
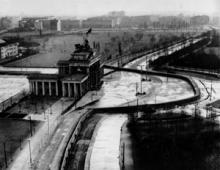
109	84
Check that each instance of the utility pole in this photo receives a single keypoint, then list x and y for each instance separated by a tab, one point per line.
123	157
51	109
29	143
136	88
211	91
48	125
44	114
195	110
30	125
141	79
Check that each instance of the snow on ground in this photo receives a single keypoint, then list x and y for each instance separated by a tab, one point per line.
171	90
40	70
120	88
105	149
11	85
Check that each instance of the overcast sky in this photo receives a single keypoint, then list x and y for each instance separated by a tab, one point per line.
85	8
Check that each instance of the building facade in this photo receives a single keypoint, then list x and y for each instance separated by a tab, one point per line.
97	22
8	50
76	76
68	25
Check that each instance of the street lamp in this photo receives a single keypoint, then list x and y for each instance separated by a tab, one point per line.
211	91
51	109
30	125
92	96
29	144
141	77
62	102
48	125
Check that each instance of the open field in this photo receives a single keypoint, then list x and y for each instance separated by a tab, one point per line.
59	47
13	133
12	85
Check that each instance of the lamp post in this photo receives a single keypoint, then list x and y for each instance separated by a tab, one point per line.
211	91
29	144
30	125
51	109
92	96
48	125
62	102
141	76
44	114
136	88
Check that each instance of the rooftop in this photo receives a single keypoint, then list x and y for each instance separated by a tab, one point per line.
43	76
75	77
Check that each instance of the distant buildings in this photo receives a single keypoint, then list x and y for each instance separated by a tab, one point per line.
39	23
135	21
216	21
77	75
97	22
113	20
5	23
8	50
50	24
199	20
28	23
116	14
69	24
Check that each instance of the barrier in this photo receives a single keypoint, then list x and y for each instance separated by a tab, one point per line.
60	159
59	162
145	107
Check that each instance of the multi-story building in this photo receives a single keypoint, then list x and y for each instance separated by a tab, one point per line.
29	23
135	21
8	50
68	24
97	22
50	24
199	20
76	76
